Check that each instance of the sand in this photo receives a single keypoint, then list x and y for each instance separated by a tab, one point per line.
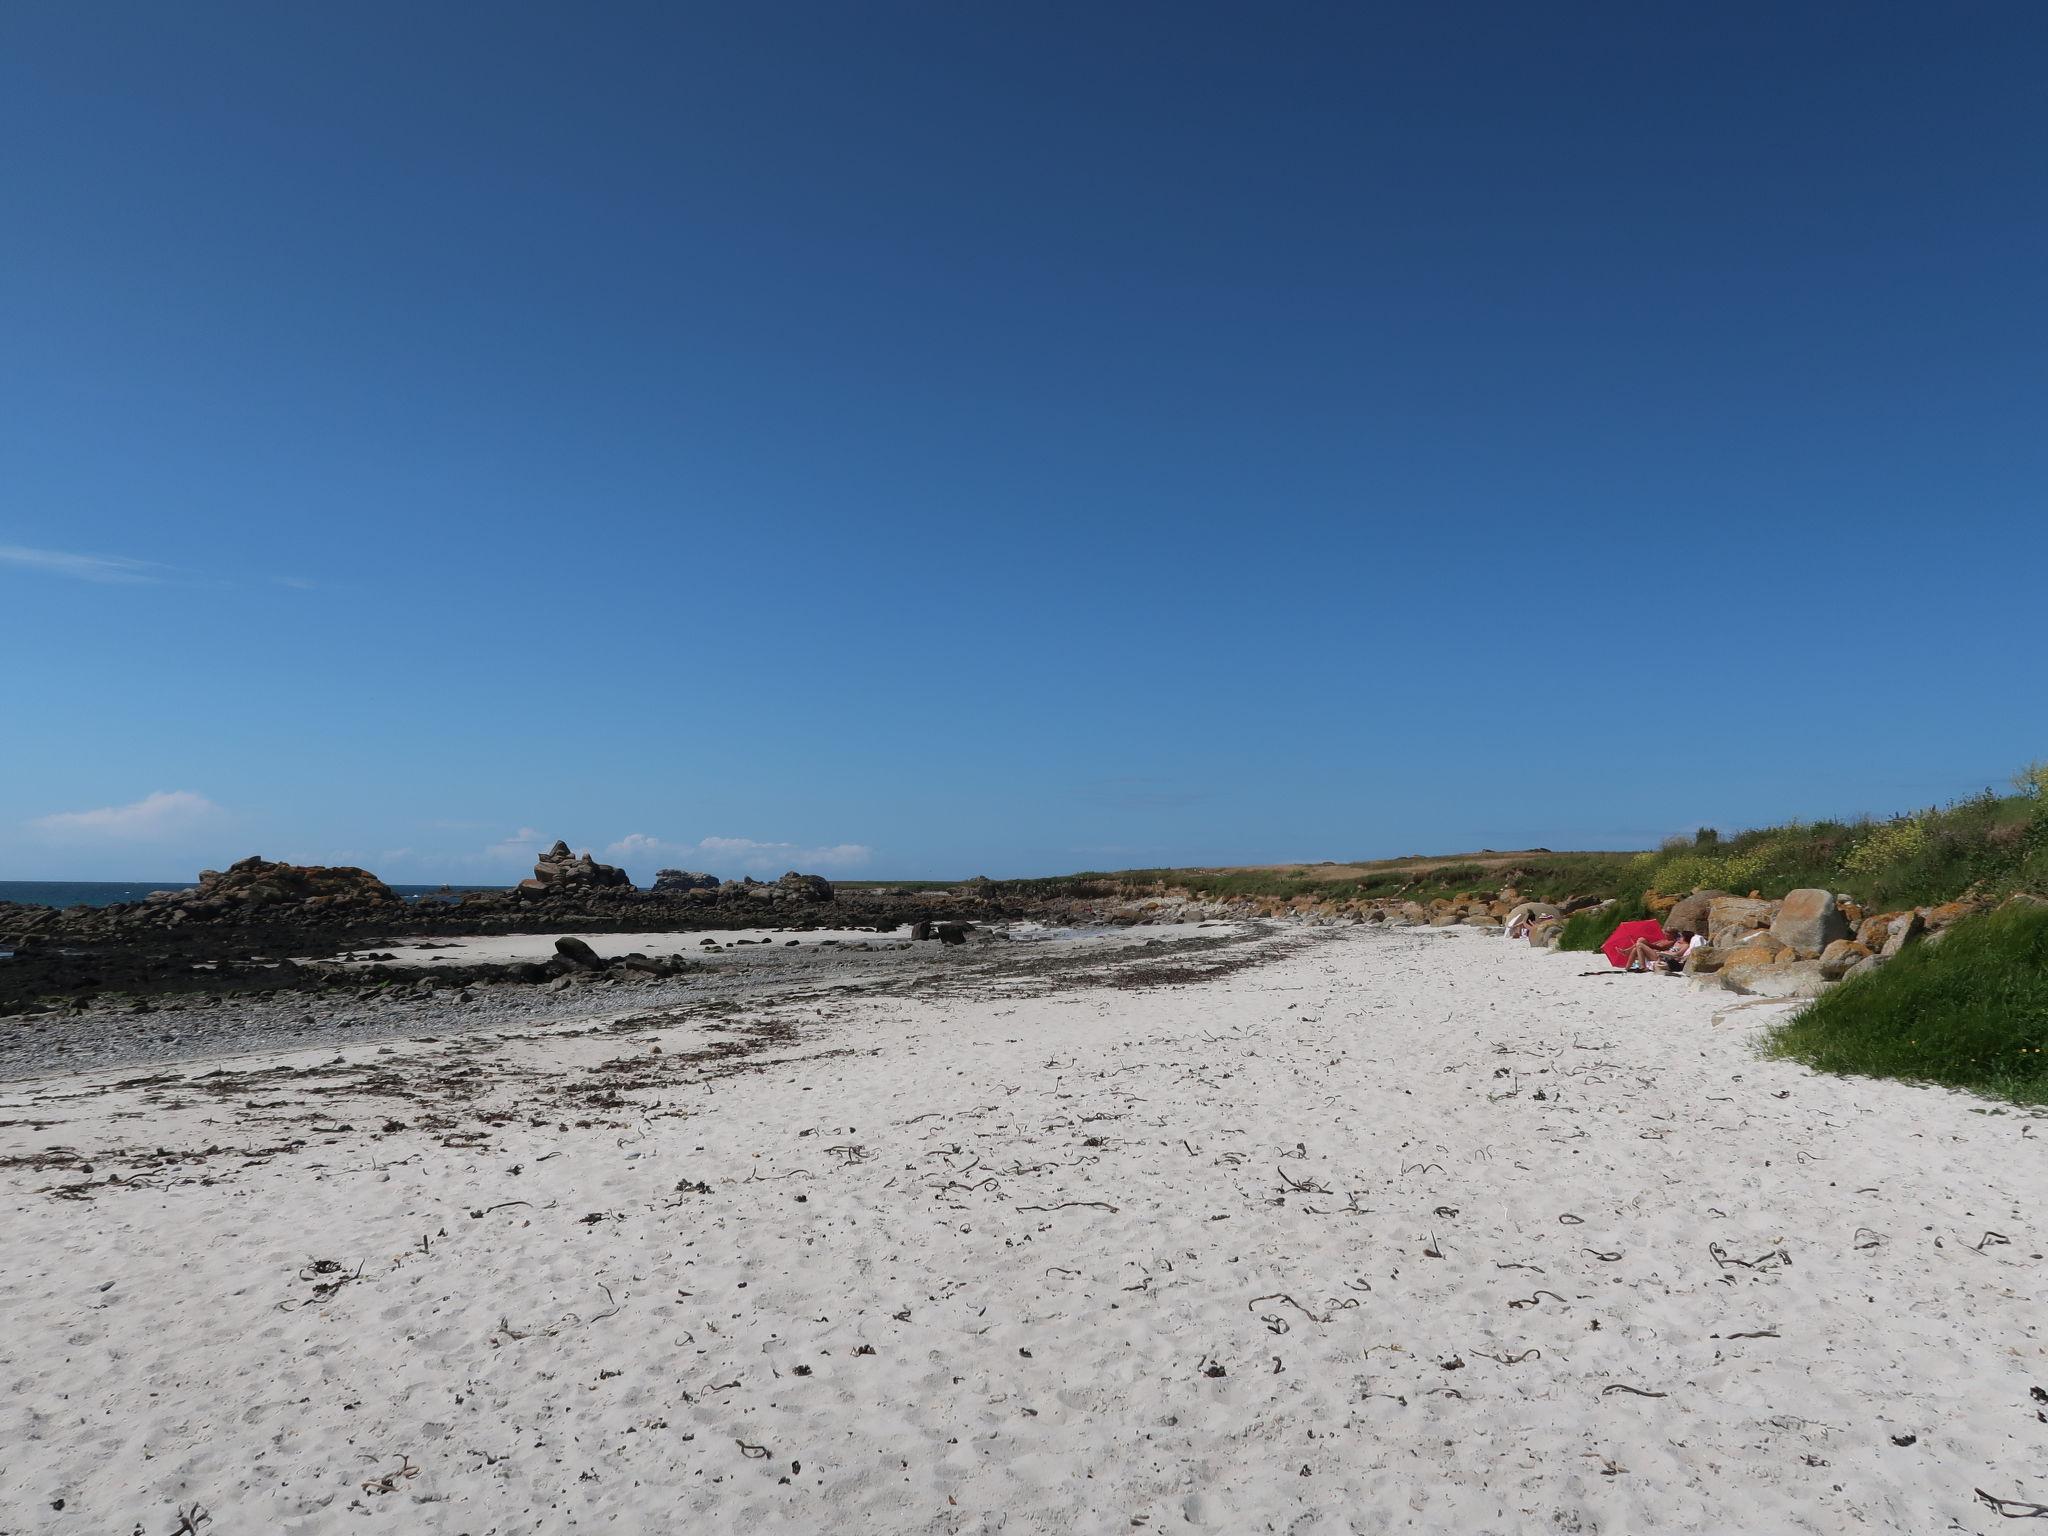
1412	1231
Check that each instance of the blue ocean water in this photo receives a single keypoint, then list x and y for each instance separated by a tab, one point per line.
107	893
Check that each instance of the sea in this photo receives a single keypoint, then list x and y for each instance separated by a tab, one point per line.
108	893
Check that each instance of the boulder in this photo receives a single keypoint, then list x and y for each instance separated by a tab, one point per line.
578	953
1949	912
676	881
1689	913
1840	957
1730	919
1905	927
1797	978
1809	921
1703	960
1870	933
1748	961
1532	911
1657	905
558	869
794	886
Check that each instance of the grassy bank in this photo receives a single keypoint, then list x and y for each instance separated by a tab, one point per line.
1991	843
1538	874
1968	1012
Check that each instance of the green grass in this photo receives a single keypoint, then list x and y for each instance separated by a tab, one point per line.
1968	1012
1589	929
1539	877
1990	844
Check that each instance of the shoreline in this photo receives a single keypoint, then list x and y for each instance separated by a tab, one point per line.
376	1001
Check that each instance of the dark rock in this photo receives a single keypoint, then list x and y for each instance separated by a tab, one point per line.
675	881
805	887
578	953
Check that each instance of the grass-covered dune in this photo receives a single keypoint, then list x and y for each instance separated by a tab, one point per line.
1988	844
1968	1011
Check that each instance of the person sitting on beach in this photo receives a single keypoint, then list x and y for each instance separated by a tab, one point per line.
1670	952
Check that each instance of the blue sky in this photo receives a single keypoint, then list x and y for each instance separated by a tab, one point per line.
931	440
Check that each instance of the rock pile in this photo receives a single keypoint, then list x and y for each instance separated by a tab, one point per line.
251	891
796	887
678	881
253	883
558	869
1801	945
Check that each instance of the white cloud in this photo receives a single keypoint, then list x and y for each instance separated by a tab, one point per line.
154	818
520	848
641	848
60	562
745	854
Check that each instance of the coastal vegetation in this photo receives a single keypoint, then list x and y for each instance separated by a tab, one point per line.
1969	1011
1989	843
1967	1008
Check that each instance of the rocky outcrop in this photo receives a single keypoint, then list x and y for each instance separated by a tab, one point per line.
680	881
1900	929
1731	919
1689	913
254	883
1792	978
1797	947
1841	957
1809	921
796	887
1749	960
559	870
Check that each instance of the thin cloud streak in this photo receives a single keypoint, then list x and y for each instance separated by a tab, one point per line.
154	818
117	569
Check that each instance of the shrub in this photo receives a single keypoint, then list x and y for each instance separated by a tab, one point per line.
1970	1012
1898	841
1588	929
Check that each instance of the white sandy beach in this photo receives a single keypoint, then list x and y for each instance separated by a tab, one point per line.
1410	1231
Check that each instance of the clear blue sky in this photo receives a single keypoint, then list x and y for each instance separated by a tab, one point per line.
947	439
